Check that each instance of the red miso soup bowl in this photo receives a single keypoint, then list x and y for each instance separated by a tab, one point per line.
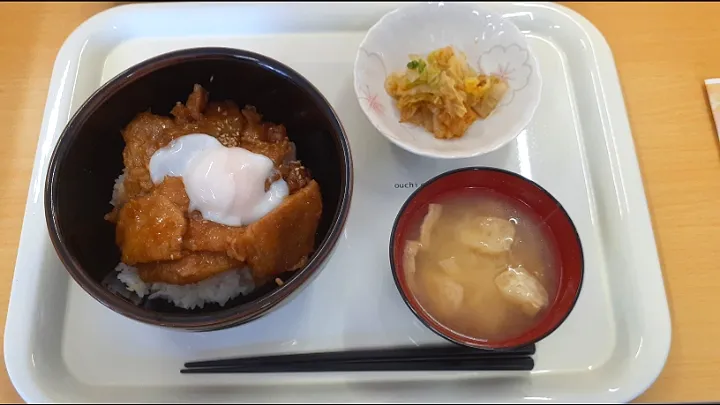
561	235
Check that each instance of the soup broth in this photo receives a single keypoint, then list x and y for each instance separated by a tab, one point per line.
481	264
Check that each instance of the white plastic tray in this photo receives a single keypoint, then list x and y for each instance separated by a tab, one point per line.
61	346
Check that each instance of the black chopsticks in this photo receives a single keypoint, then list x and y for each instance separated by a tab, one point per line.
422	358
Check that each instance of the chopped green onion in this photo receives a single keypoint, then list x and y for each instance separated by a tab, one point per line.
422	66
418	64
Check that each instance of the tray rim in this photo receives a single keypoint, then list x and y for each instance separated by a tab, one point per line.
17	331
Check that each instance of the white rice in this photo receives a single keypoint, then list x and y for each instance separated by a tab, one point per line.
118	195
220	288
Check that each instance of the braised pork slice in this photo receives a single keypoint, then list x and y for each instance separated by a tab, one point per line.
283	239
150	228
193	267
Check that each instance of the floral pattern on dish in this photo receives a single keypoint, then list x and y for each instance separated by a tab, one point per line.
372	100
511	64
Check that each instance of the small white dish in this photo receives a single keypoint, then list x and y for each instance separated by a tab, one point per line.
492	44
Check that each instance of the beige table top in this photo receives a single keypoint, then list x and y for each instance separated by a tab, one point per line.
663	52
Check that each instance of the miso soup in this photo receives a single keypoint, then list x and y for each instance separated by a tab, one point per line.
481	264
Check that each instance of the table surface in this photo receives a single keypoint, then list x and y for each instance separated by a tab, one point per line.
663	52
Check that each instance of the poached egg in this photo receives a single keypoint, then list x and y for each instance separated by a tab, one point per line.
227	185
